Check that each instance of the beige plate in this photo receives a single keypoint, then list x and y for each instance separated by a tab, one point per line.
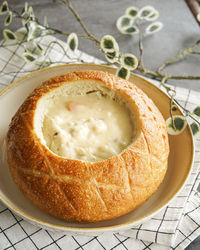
180	160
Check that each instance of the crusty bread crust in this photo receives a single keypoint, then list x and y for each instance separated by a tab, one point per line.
84	191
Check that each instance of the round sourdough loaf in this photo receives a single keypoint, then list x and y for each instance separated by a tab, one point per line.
80	190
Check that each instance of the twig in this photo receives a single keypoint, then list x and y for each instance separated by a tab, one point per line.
183	77
168	89
178	57
160	75
141	50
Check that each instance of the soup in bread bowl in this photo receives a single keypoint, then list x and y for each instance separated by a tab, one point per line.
87	146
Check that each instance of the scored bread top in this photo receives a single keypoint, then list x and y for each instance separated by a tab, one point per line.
86	191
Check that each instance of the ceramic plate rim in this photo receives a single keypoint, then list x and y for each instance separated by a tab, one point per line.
121	226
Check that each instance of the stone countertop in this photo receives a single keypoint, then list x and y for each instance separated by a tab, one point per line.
180	31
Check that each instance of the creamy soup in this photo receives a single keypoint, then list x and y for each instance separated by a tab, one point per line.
90	127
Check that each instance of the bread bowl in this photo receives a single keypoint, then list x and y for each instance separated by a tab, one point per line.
81	190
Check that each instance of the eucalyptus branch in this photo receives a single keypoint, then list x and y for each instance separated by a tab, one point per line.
178	57
17	15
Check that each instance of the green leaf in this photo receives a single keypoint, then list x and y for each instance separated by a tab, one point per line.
109	44
31	13
49	32
154	27
174	107
36	48
153	16
45	21
28	57
39	47
179	122
196	111
123	73
112	57
37	32
195	128
8	19
25	21
4	8
198	17
132	12
72	42
125	25
124	22
25	9
9	35
129	61
34	30
146	12
131	30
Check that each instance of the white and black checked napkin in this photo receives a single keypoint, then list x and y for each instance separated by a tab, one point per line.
174	227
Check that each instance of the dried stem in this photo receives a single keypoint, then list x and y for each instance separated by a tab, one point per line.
168	89
141	49
183	77
158	73
17	15
178	57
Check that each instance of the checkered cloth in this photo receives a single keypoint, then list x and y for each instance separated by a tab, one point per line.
174	227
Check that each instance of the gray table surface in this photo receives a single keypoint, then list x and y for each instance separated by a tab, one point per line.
180	31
